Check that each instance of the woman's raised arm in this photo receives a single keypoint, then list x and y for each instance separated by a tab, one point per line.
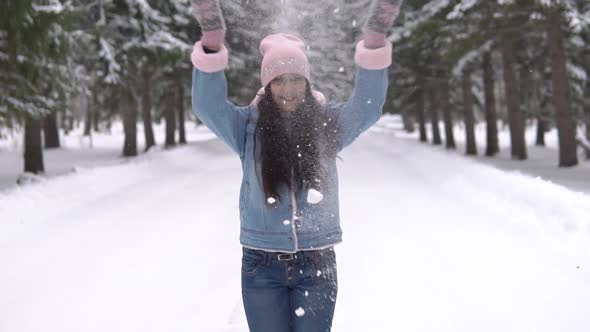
209	90
372	57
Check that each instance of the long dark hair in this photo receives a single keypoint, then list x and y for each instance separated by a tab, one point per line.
313	135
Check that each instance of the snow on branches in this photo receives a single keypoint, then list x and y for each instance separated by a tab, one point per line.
54	7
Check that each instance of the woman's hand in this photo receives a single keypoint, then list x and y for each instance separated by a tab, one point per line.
208	14
383	14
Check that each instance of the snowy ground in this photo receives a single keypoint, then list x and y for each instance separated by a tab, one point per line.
433	241
78	151
541	162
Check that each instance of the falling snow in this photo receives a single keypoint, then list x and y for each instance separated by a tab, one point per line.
314	196
299	312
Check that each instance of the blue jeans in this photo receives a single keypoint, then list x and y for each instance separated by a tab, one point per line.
289	293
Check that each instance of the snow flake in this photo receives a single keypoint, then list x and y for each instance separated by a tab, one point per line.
306	293
319	273
299	312
287	222
314	196
271	200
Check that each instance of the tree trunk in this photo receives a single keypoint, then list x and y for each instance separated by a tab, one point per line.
67	122
146	111
448	118
96	120
130	127
408	122
420	113
180	107
71	122
436	140
471	147
588	136
566	125
88	121
540	141
79	107
515	114
33	146
50	131
63	122
490	107
170	118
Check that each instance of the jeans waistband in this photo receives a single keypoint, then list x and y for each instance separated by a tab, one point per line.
282	256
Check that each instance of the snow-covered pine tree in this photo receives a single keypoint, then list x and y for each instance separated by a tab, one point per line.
549	74
33	48
561	97
481	29
581	65
172	65
133	37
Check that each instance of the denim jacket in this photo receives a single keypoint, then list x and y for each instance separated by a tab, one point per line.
291	223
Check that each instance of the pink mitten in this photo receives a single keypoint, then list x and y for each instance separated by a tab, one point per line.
210	18
383	14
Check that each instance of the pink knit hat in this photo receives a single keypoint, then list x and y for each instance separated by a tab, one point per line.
282	53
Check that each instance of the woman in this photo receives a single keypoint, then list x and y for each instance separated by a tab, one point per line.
287	140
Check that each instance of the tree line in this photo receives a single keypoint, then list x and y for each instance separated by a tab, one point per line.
516	61
107	58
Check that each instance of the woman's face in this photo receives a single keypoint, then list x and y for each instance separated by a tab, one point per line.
288	91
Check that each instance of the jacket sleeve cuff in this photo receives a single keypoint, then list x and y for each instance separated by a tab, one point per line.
209	62
373	59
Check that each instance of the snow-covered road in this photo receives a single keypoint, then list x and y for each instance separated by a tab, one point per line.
432	242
